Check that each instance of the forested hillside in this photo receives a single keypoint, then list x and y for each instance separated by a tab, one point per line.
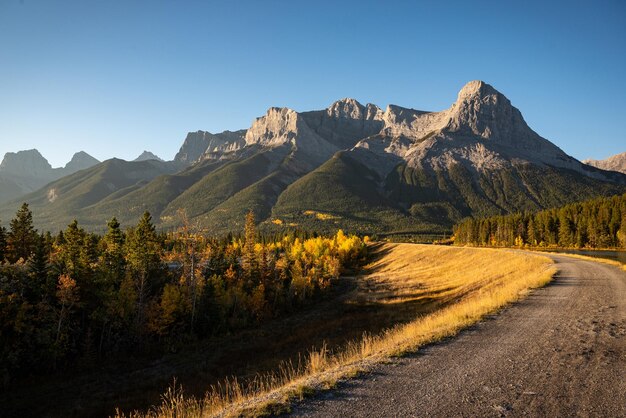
596	223
79	298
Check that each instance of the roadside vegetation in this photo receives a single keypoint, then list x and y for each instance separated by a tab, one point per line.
610	262
445	288
595	224
76	299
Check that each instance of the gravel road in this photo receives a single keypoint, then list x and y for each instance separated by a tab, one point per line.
560	352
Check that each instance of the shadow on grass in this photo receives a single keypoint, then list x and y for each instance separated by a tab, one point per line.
138	384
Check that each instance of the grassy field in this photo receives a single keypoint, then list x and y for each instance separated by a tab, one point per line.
588	258
437	290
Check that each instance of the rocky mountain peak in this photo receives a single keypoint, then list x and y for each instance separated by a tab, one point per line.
223	143
373	112
28	163
193	147
346	108
351	109
202	144
30	170
614	163
482	111
147	155
278	126
481	128
80	161
79	156
476	89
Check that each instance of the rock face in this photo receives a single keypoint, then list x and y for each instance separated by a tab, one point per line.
481	129
341	125
479	157
285	128
481	111
29	163
147	155
225	142
345	122
615	163
205	145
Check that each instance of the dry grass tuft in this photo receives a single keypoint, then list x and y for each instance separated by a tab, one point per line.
464	284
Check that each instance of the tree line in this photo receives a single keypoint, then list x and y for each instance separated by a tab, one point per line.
596	223
76	297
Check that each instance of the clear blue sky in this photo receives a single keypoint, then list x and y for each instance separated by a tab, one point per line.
116	77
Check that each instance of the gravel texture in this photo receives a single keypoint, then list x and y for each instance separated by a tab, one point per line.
560	352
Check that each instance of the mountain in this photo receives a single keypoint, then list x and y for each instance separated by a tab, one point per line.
205	145
10	189
350	166
25	171
147	155
614	163
400	169
80	161
73	196
25	163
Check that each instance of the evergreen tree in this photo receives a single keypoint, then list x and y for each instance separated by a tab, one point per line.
190	251
113	258
90	250
531	232
22	236
249	261
60	239
72	251
566	229
38	268
596	223
3	243
143	257
80	294
621	232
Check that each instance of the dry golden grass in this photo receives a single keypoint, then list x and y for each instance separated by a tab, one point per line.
466	283
589	258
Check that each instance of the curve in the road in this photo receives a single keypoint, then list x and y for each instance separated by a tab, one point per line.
560	352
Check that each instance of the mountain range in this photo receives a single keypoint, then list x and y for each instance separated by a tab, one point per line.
23	172
353	166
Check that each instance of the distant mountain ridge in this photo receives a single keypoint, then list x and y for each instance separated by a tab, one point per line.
25	171
350	166
614	163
